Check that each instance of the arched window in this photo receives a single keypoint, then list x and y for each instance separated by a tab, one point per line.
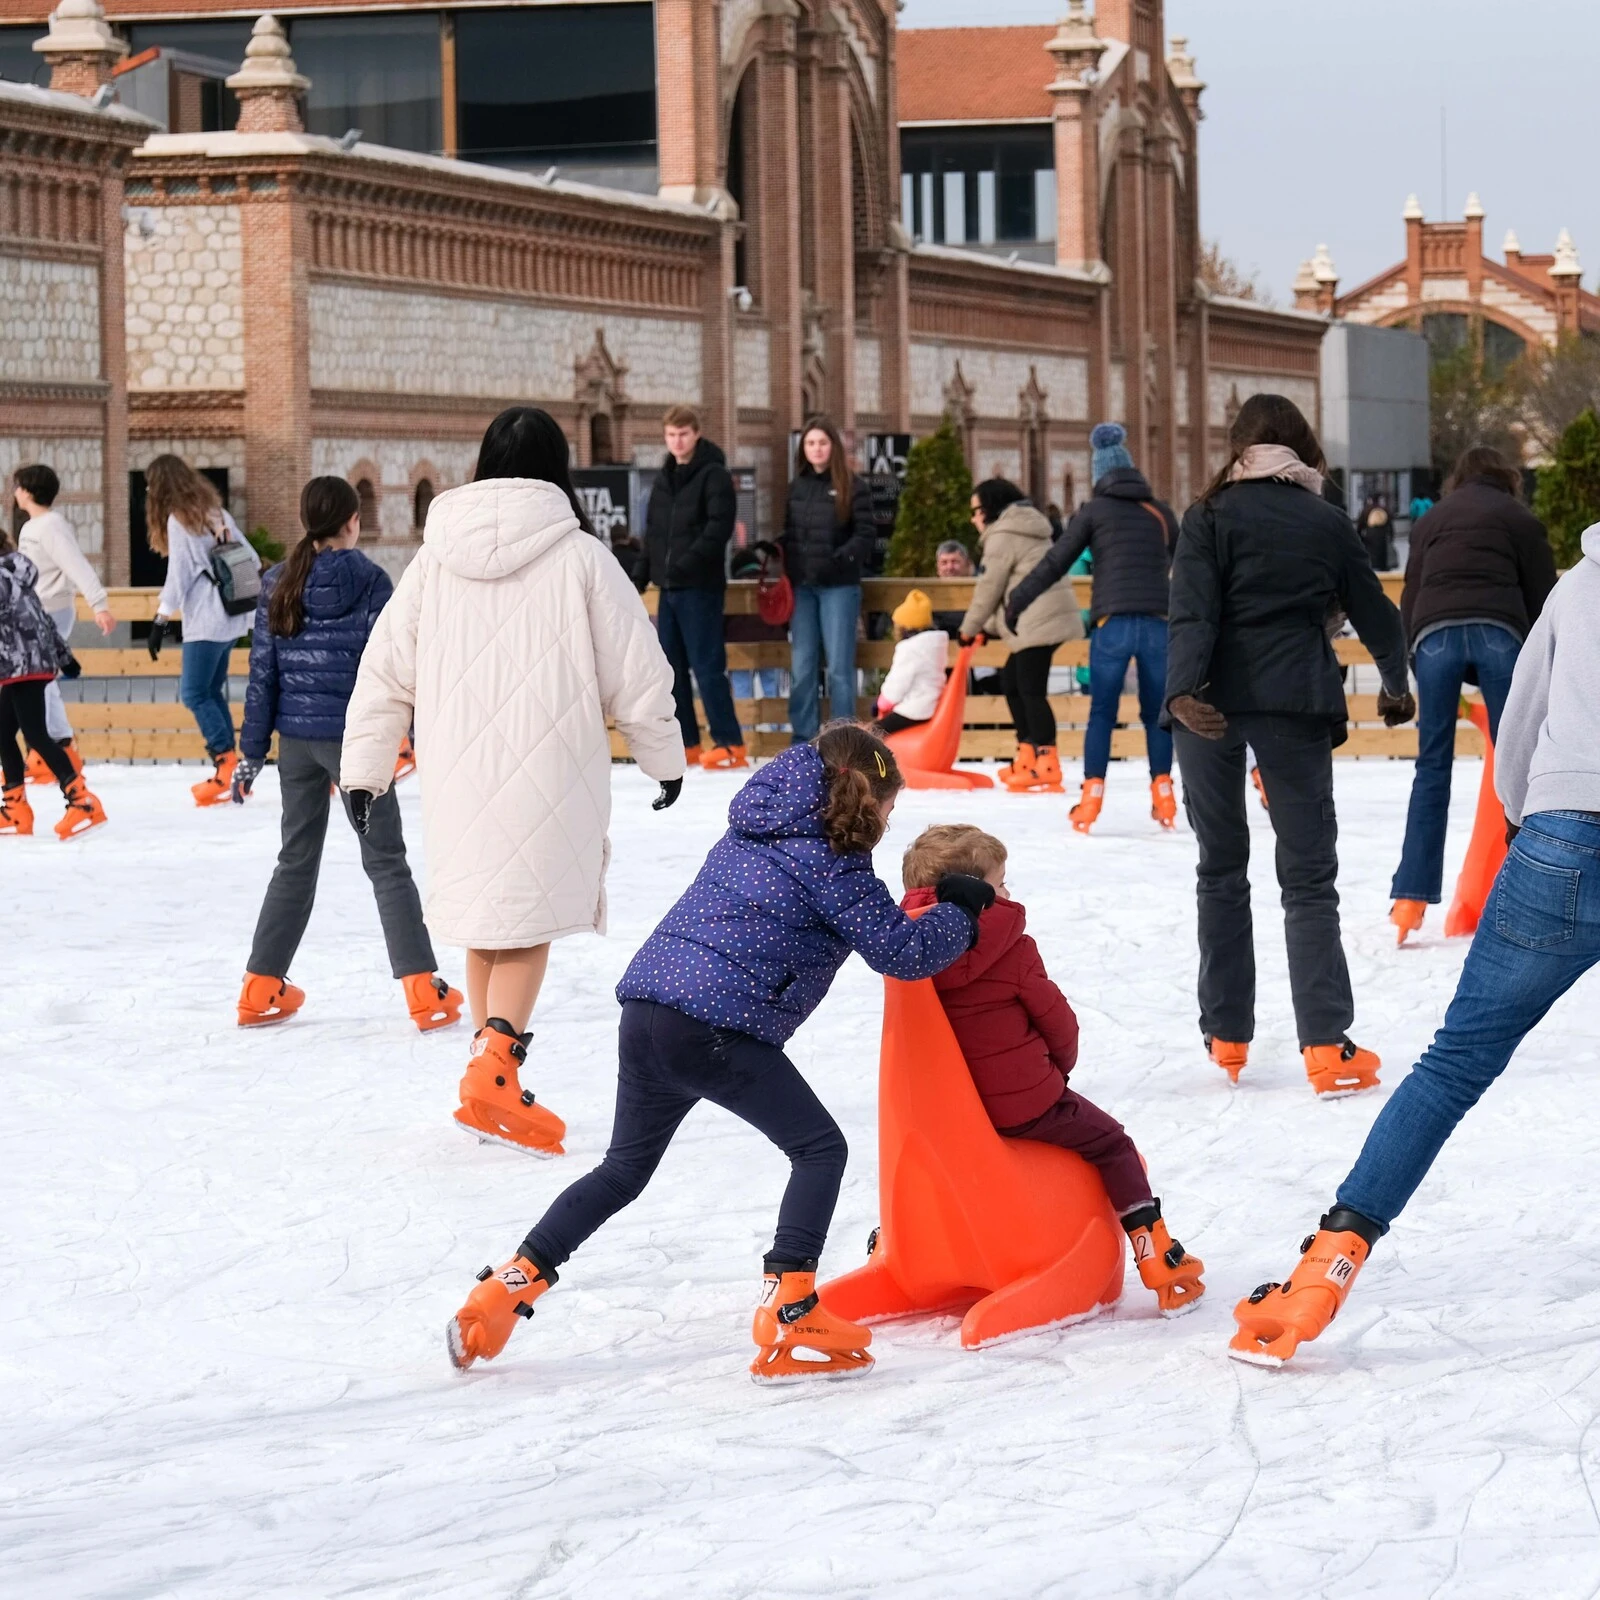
601	446
421	499
368	497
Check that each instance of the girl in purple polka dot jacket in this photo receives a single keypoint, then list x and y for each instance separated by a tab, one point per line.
714	993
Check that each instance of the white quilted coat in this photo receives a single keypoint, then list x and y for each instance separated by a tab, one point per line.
511	637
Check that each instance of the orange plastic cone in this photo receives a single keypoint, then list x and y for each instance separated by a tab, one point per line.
1488	846
927	753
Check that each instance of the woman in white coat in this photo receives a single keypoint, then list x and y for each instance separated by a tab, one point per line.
510	639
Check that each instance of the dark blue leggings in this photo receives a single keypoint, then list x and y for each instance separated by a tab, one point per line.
667	1062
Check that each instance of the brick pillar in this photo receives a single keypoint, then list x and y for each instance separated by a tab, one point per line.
827	173
779	114
1076	50
114	369
1161	333
688	99
1566	274
268	87
80	48
1132	317
1414	225
1474	248
718	393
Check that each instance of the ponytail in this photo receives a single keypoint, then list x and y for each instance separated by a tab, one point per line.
326	504
862	777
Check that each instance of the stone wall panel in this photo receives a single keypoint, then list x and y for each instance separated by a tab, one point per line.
185	318
80	465
997	378
49	321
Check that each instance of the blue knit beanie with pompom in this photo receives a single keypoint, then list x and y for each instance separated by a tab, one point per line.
1109	450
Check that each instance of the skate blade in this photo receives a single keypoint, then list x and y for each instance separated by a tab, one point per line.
270	1020
1344	1091
79	829
428	1024
455	1347
1182	1308
1255	1358
781	1366
1256	1351
485	1136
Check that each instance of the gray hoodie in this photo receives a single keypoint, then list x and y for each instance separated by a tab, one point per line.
1548	757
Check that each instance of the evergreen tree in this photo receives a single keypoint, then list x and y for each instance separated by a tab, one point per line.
935	505
1567	497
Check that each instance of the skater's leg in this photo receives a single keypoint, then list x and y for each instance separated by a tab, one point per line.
203	690
28	710
1440	662
303	784
56	719
1077	1124
1109	651
1539	933
12	764
699	618
1151	656
1031	675
505	984
805	659
1494	655
839	611
676	650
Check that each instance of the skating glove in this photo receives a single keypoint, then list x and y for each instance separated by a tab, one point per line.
1396	708
670	790
244	776
71	666
1198	716
158	634
360	809
973	895
964	639
1512	830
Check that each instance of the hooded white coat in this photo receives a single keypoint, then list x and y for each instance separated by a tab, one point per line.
511	637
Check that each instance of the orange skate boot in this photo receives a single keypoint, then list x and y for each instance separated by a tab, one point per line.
16	815
495	1108
431	1001
1164	1265
1340	1069
692	754
265	1000
479	1330
38	772
1407	915
724	758
1230	1057
218	787
1261	788
83	812
1019	769
1046	771
1084	815
406	762
796	1337
1163	802
1279	1317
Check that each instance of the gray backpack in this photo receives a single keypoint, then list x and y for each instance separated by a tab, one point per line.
237	577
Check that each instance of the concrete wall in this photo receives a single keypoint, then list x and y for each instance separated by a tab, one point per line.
1374	398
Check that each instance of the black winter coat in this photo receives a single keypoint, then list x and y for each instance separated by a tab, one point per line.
30	647
689	521
1478	553
302	685
819	551
1131	535
1259	570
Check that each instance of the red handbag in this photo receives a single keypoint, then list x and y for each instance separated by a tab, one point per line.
774	592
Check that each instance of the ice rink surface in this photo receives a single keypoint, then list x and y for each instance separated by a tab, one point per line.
228	1258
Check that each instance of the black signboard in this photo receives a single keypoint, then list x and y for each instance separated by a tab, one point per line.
607	495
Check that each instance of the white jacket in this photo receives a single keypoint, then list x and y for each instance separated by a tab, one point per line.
511	637
50	544
916	675
192	591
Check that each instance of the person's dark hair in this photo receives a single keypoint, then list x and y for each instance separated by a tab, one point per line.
1268	419
995	495
862	775
525	442
1481	461
326	505
844	483
41	482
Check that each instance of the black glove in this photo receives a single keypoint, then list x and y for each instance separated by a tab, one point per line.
1396	708
360	809
1011	618
671	788
972	895
158	634
71	666
244	777
1512	830
1198	716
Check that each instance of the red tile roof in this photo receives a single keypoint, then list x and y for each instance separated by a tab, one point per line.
973	74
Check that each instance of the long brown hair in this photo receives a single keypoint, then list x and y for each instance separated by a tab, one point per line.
172	488
844	480
1268	419
326	505
862	776
1484	461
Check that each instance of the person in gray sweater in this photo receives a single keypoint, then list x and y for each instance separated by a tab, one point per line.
1538	936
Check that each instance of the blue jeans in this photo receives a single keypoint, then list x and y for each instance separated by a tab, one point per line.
689	626
1116	642
824	623
1539	934
203	688
1442	661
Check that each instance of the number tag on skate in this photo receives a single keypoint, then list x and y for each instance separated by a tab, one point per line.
1143	1246
1341	1271
768	1289
513	1277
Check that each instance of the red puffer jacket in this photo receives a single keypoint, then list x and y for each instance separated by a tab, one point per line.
1014	1026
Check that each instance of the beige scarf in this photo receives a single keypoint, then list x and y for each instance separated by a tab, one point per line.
1275	461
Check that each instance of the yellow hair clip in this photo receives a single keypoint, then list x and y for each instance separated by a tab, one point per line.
883	771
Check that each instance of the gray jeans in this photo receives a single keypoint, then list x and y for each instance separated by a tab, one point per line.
55	713
307	768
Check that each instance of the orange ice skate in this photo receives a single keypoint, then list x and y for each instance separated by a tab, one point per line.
1163	802
1046	771
796	1337
16	815
218	787
406	762
725	758
38	769
494	1106
1261	788
1340	1069
1230	1057
692	754
1164	1265
83	812
264	1000
1407	915
1086	813
479	1330
431	1001
1279	1317
1019	769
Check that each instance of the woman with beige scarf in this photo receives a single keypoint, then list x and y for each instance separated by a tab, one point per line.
1262	562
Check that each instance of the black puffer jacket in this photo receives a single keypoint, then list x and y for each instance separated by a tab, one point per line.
1259	569
819	551
30	647
689	521
1131	536
1478	553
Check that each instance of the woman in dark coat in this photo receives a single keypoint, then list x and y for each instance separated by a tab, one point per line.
1262	562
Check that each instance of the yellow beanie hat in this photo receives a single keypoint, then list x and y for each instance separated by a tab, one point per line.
915	611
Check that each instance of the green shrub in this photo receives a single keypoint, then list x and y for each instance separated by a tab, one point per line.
268	548
935	505
1567	497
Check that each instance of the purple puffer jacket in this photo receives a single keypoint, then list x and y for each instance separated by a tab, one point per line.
758	936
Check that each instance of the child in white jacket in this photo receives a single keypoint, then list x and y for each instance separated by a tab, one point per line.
916	679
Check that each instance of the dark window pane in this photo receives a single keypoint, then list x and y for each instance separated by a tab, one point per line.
376	73
17	60
223	42
1500	346
1014	205
1446	332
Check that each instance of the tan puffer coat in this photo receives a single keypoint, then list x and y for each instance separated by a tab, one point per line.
510	638
1013	544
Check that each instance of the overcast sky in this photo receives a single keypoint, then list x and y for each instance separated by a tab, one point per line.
1321	117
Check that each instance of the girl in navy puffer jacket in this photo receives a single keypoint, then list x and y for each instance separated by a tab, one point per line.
312	622
733	969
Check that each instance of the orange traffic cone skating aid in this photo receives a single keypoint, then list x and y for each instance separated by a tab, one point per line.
1277	1318
494	1106
264	1000
1163	800
83	812
798	1338
479	1330
1231	1057
431	1001
16	815
218	787
1487	849
1407	915
725	758
1164	1266
1086	813
1340	1069
926	754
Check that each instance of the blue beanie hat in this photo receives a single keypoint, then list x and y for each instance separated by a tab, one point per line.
1109	452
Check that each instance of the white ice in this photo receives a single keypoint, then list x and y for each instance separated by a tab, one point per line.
228	1257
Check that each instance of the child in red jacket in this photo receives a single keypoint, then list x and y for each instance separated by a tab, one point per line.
1020	1040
